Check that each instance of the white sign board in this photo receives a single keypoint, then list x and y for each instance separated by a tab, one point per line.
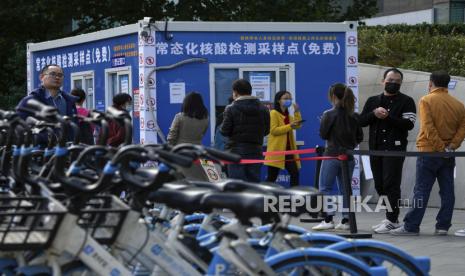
177	92
367	167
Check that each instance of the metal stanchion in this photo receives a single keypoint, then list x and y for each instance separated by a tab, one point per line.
316	183
346	182
316	179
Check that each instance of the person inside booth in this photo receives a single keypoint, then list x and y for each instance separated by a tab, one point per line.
116	133
281	138
86	132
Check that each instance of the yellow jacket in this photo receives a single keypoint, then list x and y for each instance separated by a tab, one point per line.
442	121
277	139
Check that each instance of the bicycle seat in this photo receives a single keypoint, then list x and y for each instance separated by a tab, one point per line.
302	193
232	185
77	185
182	198
268	188
146	173
244	205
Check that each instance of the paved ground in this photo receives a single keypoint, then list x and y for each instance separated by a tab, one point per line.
447	253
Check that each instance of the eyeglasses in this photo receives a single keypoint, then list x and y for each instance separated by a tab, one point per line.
55	75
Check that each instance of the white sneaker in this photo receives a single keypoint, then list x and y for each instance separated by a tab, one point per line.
460	233
440	232
342	226
379	224
386	227
324	226
400	231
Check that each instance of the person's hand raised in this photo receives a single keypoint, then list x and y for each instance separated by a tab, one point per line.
381	112
296	107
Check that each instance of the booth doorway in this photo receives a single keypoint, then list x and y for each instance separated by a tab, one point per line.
266	80
117	80
85	81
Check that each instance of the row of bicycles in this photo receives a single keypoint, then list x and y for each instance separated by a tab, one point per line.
74	209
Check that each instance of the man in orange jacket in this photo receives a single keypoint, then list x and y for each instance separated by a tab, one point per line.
442	129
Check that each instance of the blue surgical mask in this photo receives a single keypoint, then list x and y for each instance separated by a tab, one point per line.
287	103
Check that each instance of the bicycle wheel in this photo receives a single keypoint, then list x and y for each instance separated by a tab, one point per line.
316	261
291	229
321	240
379	253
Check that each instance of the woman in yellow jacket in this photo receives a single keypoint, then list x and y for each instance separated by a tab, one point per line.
281	137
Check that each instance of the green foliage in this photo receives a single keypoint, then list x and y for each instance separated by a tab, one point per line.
420	47
23	21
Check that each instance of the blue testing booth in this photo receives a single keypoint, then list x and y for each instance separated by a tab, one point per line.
159	62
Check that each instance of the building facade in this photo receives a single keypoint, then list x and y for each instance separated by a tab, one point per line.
418	11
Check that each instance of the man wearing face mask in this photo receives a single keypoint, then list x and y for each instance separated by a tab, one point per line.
246	121
442	129
390	116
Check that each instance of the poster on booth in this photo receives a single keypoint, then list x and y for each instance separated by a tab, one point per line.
177	92
136	102
261	86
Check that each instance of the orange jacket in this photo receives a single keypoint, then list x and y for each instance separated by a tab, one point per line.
442	122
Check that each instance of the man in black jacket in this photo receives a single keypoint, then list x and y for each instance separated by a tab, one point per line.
390	116
246	121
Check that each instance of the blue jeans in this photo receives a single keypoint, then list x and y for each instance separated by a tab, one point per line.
428	170
246	172
331	170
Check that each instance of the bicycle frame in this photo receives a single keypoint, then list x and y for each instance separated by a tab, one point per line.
153	249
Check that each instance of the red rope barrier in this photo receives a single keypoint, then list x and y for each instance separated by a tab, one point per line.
256	161
288	152
261	161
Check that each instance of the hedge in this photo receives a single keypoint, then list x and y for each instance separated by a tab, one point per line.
421	47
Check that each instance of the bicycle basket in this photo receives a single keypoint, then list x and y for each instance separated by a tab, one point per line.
103	217
29	223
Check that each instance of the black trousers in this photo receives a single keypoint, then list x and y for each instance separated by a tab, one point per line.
387	174
291	168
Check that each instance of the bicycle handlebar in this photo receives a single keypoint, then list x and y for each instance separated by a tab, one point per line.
210	153
226	156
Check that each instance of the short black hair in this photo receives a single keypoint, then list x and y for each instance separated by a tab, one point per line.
121	98
393	70
193	106
440	78
79	92
45	68
242	87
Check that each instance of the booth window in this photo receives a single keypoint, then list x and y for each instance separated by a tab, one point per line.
266	80
118	80
223	81
85	81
